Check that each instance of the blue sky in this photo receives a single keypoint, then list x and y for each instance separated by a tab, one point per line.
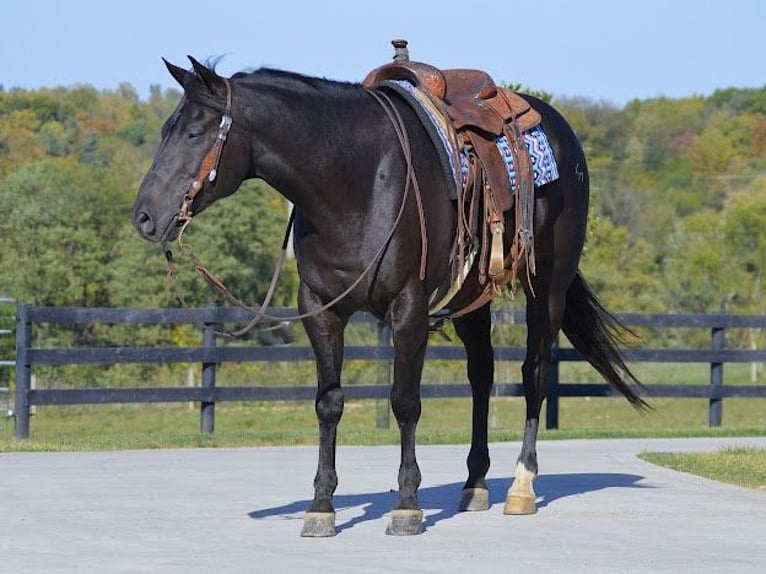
603	50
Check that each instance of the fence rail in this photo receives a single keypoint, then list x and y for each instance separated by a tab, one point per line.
209	355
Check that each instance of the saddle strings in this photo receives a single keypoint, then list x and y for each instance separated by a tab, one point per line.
404	141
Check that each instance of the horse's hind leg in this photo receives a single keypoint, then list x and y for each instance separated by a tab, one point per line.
545	312
408	317
325	331
474	331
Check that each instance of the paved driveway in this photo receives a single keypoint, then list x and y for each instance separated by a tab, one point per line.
601	509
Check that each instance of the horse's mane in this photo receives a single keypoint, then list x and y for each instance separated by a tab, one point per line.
271	79
277	78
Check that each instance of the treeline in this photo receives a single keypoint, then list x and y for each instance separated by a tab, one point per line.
678	218
71	162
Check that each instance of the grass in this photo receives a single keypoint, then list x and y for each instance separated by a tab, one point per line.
742	466
444	421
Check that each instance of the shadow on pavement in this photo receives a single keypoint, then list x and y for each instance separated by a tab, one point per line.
444	498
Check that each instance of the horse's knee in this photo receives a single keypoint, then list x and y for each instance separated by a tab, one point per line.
406	408
329	406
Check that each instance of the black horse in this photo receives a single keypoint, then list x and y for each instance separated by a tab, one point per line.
332	149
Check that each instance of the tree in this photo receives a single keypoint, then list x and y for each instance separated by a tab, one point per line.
744	234
698	276
620	268
53	249
676	216
739	100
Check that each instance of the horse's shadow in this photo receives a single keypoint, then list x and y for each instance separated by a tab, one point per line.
444	498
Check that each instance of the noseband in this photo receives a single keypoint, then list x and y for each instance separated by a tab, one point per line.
209	168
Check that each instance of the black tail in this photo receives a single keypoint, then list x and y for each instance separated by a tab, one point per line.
598	336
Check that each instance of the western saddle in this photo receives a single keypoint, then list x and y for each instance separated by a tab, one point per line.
477	113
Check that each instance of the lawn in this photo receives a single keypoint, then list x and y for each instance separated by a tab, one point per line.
742	466
444	421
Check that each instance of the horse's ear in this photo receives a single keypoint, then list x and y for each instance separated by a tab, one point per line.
213	81
177	72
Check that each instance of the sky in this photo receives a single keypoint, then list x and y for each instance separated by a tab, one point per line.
604	50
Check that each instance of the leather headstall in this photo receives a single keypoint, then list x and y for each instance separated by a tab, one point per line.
209	168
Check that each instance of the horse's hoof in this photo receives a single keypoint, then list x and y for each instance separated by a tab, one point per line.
318	525
516	504
405	522
474	499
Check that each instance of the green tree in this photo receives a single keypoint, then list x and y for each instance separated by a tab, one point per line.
620	268
744	235
697	274
56	140
675	193
54	252
739	100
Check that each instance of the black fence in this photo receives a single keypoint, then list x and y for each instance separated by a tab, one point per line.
210	354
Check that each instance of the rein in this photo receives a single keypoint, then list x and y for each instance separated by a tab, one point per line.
209	170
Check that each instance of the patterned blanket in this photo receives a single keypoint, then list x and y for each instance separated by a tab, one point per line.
544	164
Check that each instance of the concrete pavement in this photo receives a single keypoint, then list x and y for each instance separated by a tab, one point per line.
601	509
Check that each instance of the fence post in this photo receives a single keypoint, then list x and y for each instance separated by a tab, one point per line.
5	362
207	409
23	372
552	401
715	408
382	406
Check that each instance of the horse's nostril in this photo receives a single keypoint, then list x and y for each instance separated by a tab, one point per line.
145	223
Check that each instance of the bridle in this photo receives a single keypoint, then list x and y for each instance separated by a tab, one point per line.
209	170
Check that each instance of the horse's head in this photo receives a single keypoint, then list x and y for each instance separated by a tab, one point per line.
193	166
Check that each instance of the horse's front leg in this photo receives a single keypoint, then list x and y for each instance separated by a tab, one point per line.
474	331
408	316
325	331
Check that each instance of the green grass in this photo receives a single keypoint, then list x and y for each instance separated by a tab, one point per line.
444	421
742	466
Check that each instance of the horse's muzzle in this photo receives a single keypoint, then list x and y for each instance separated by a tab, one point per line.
152	229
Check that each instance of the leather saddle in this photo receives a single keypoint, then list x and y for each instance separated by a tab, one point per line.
471	97
479	112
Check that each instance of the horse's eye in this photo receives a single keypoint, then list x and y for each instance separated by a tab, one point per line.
195	133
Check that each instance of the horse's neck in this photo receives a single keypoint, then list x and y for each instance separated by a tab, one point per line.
301	145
